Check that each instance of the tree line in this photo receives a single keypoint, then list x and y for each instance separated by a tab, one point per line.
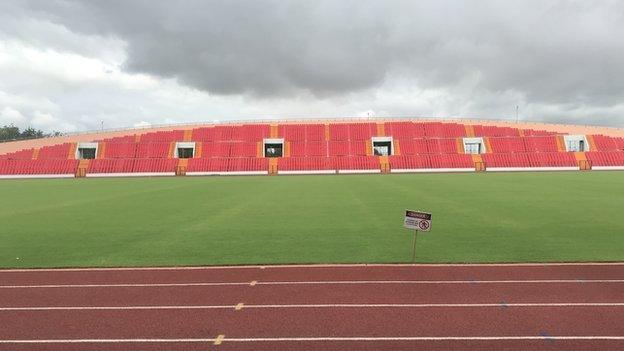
12	132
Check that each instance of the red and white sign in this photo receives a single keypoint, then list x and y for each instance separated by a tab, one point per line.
417	220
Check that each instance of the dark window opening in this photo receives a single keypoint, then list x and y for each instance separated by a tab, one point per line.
86	153
273	150
382	148
185	152
473	148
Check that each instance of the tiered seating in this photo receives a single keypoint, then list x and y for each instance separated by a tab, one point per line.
362	131
45	166
431	161
153	150
605	158
310	148
533	132
402	130
305	163
315	132
121	150
54	151
493	131
451	161
541	144
227	164
444	130
302	132
441	146
552	159
207	165
549	159
507	145
606	143
338	148
168	136
247	164
409	162
252	132
210	149
132	165
318	146
154	165
204	134
413	147
506	160
339	131
19	155
357	148
356	162
120	139
243	149
293	132
113	165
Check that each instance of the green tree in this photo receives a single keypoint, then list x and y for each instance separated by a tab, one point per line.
12	132
9	132
31	132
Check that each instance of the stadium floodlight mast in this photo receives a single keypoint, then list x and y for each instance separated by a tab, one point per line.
417	220
516	114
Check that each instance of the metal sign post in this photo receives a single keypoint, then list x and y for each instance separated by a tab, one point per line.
414	249
419	221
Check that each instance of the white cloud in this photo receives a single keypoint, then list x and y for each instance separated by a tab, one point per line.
60	72
10	115
142	124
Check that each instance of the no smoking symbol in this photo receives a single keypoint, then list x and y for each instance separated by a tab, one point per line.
423	225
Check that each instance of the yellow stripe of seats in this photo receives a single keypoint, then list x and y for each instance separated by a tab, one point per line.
71	155
469	130
381	130
459	143
198	150
560	143
274	131
188	135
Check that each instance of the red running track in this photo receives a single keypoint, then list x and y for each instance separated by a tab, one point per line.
344	307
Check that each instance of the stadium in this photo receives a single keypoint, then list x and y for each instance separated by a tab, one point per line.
318	148
330	175
242	206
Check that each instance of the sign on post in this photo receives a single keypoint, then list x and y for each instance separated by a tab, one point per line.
417	220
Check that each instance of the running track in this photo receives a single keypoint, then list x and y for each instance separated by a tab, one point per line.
343	307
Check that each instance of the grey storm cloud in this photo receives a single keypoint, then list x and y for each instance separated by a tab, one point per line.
548	51
161	61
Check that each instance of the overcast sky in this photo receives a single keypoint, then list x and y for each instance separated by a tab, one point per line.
68	65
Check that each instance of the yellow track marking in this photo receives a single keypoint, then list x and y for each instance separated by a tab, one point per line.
219	339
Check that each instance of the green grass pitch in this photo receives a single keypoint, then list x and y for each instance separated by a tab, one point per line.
510	217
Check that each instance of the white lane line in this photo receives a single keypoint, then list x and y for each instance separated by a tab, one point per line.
339	305
433	338
143	285
516	281
338	265
321	339
319	282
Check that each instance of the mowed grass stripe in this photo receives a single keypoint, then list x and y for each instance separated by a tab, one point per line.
503	217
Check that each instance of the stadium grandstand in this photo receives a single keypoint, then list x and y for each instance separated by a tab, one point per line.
317	147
